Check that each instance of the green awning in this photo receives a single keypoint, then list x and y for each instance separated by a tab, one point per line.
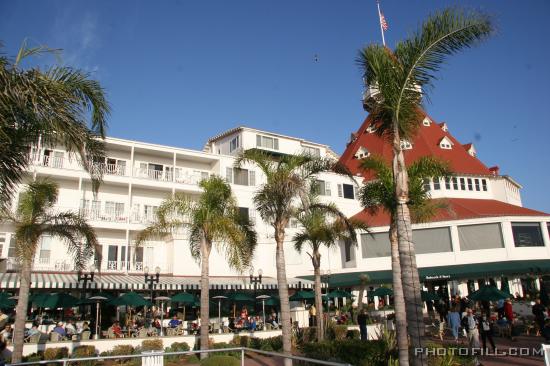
454	272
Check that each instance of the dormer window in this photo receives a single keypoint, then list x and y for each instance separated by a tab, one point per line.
362	153
444	127
406	145
371	129
426	122
471	149
445	143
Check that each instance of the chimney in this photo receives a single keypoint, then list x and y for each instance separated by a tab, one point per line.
494	169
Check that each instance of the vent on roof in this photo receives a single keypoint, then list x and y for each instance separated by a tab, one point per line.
445	143
444	126
494	169
426	122
406	145
361	153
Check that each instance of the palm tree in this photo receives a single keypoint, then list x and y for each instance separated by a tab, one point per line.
58	105
397	81
379	194
33	218
322	224
288	179
212	219
363	281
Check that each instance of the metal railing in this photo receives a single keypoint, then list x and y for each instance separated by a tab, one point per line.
157	358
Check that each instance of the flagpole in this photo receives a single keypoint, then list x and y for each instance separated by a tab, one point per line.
380	22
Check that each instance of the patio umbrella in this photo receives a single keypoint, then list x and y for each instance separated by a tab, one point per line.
488	293
5	301
382	291
240	297
38	298
271	301
54	301
302	295
184	298
338	294
90	300
130	299
429	296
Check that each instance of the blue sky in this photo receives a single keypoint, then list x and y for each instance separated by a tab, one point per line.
178	72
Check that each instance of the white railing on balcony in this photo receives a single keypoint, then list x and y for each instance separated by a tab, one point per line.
111	169
109	215
153	174
48	161
189	177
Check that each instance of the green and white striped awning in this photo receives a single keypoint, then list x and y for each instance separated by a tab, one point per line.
136	282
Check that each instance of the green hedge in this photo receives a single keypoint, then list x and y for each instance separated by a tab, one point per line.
351	351
220	361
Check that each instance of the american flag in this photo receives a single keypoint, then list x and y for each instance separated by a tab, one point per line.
383	22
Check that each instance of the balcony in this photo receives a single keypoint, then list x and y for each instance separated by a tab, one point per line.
153	174
48	161
111	169
106	215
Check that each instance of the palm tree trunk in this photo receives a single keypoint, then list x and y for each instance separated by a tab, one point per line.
205	289
283	293
360	300
316	260
398	298
407	255
21	311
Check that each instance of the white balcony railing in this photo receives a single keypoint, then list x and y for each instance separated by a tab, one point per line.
48	161
111	169
153	174
108	215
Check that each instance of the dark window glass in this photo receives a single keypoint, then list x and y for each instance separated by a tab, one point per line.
470	184
437	185
484	184
447	183
427	185
463	184
348	191
455	183
347	250
527	234
243	213
240	176
477	184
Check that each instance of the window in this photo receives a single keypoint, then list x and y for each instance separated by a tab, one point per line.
361	153
527	234
346	191
484	184
243	177
448	183
375	245
470	184
406	145
436	240
347	250
2	242
445	143
426	122
427	186
114	210
322	188
234	144
149	212
45	249
484	236
267	142
313	151
463	184
437	185
114	166
371	129
11	248
455	183
112	257
477	184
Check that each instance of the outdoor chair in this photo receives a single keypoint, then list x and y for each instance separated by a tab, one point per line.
215	328
171	331
55	337
143	333
85	335
110	333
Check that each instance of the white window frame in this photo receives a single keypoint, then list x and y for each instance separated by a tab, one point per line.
260	142
405	145
426	122
234	144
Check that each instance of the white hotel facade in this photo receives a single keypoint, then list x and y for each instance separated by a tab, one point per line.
486	234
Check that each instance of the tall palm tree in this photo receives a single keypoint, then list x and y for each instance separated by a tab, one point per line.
212	219
57	105
288	179
379	194
322	225
399	80
34	217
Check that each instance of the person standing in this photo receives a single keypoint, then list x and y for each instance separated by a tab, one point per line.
538	311
486	332
362	319
454	321
312	316
470	323
509	314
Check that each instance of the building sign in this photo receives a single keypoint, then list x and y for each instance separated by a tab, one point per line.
438	277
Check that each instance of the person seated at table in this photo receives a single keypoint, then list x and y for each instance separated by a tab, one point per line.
273	321
244	312
156	325
60	330
117	330
32	331
231	325
6	333
84	328
252	324
174	322
70	328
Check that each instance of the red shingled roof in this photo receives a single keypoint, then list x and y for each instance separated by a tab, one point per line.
426	143
459	209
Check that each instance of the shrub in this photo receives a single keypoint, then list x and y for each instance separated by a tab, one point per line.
241	341
33	357
255	343
193	359
266	347
197	345
276	343
56	353
336	332
220	361
120	350
84	351
350	351
222	345
152	345
176	347
353	334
